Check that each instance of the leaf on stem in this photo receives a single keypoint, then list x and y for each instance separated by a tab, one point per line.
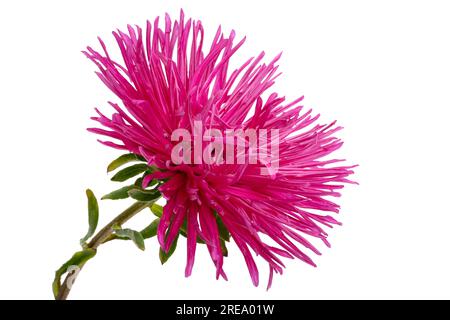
92	216
130	172
144	195
78	259
123	159
121	193
132	235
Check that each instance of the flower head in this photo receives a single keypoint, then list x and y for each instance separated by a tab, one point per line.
168	81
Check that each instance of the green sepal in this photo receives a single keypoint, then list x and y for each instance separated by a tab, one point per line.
223	246
223	231
164	256
157	210
151	230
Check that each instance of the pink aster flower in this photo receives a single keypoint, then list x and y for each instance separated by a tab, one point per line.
170	79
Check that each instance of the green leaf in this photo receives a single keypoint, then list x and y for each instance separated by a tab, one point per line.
129	172
157	210
121	193
223	231
92	215
151	230
78	259
147	232
133	235
123	159
144	195
163	256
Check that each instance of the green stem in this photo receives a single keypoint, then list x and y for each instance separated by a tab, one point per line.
102	236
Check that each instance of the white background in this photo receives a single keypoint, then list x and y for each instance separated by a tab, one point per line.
381	68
